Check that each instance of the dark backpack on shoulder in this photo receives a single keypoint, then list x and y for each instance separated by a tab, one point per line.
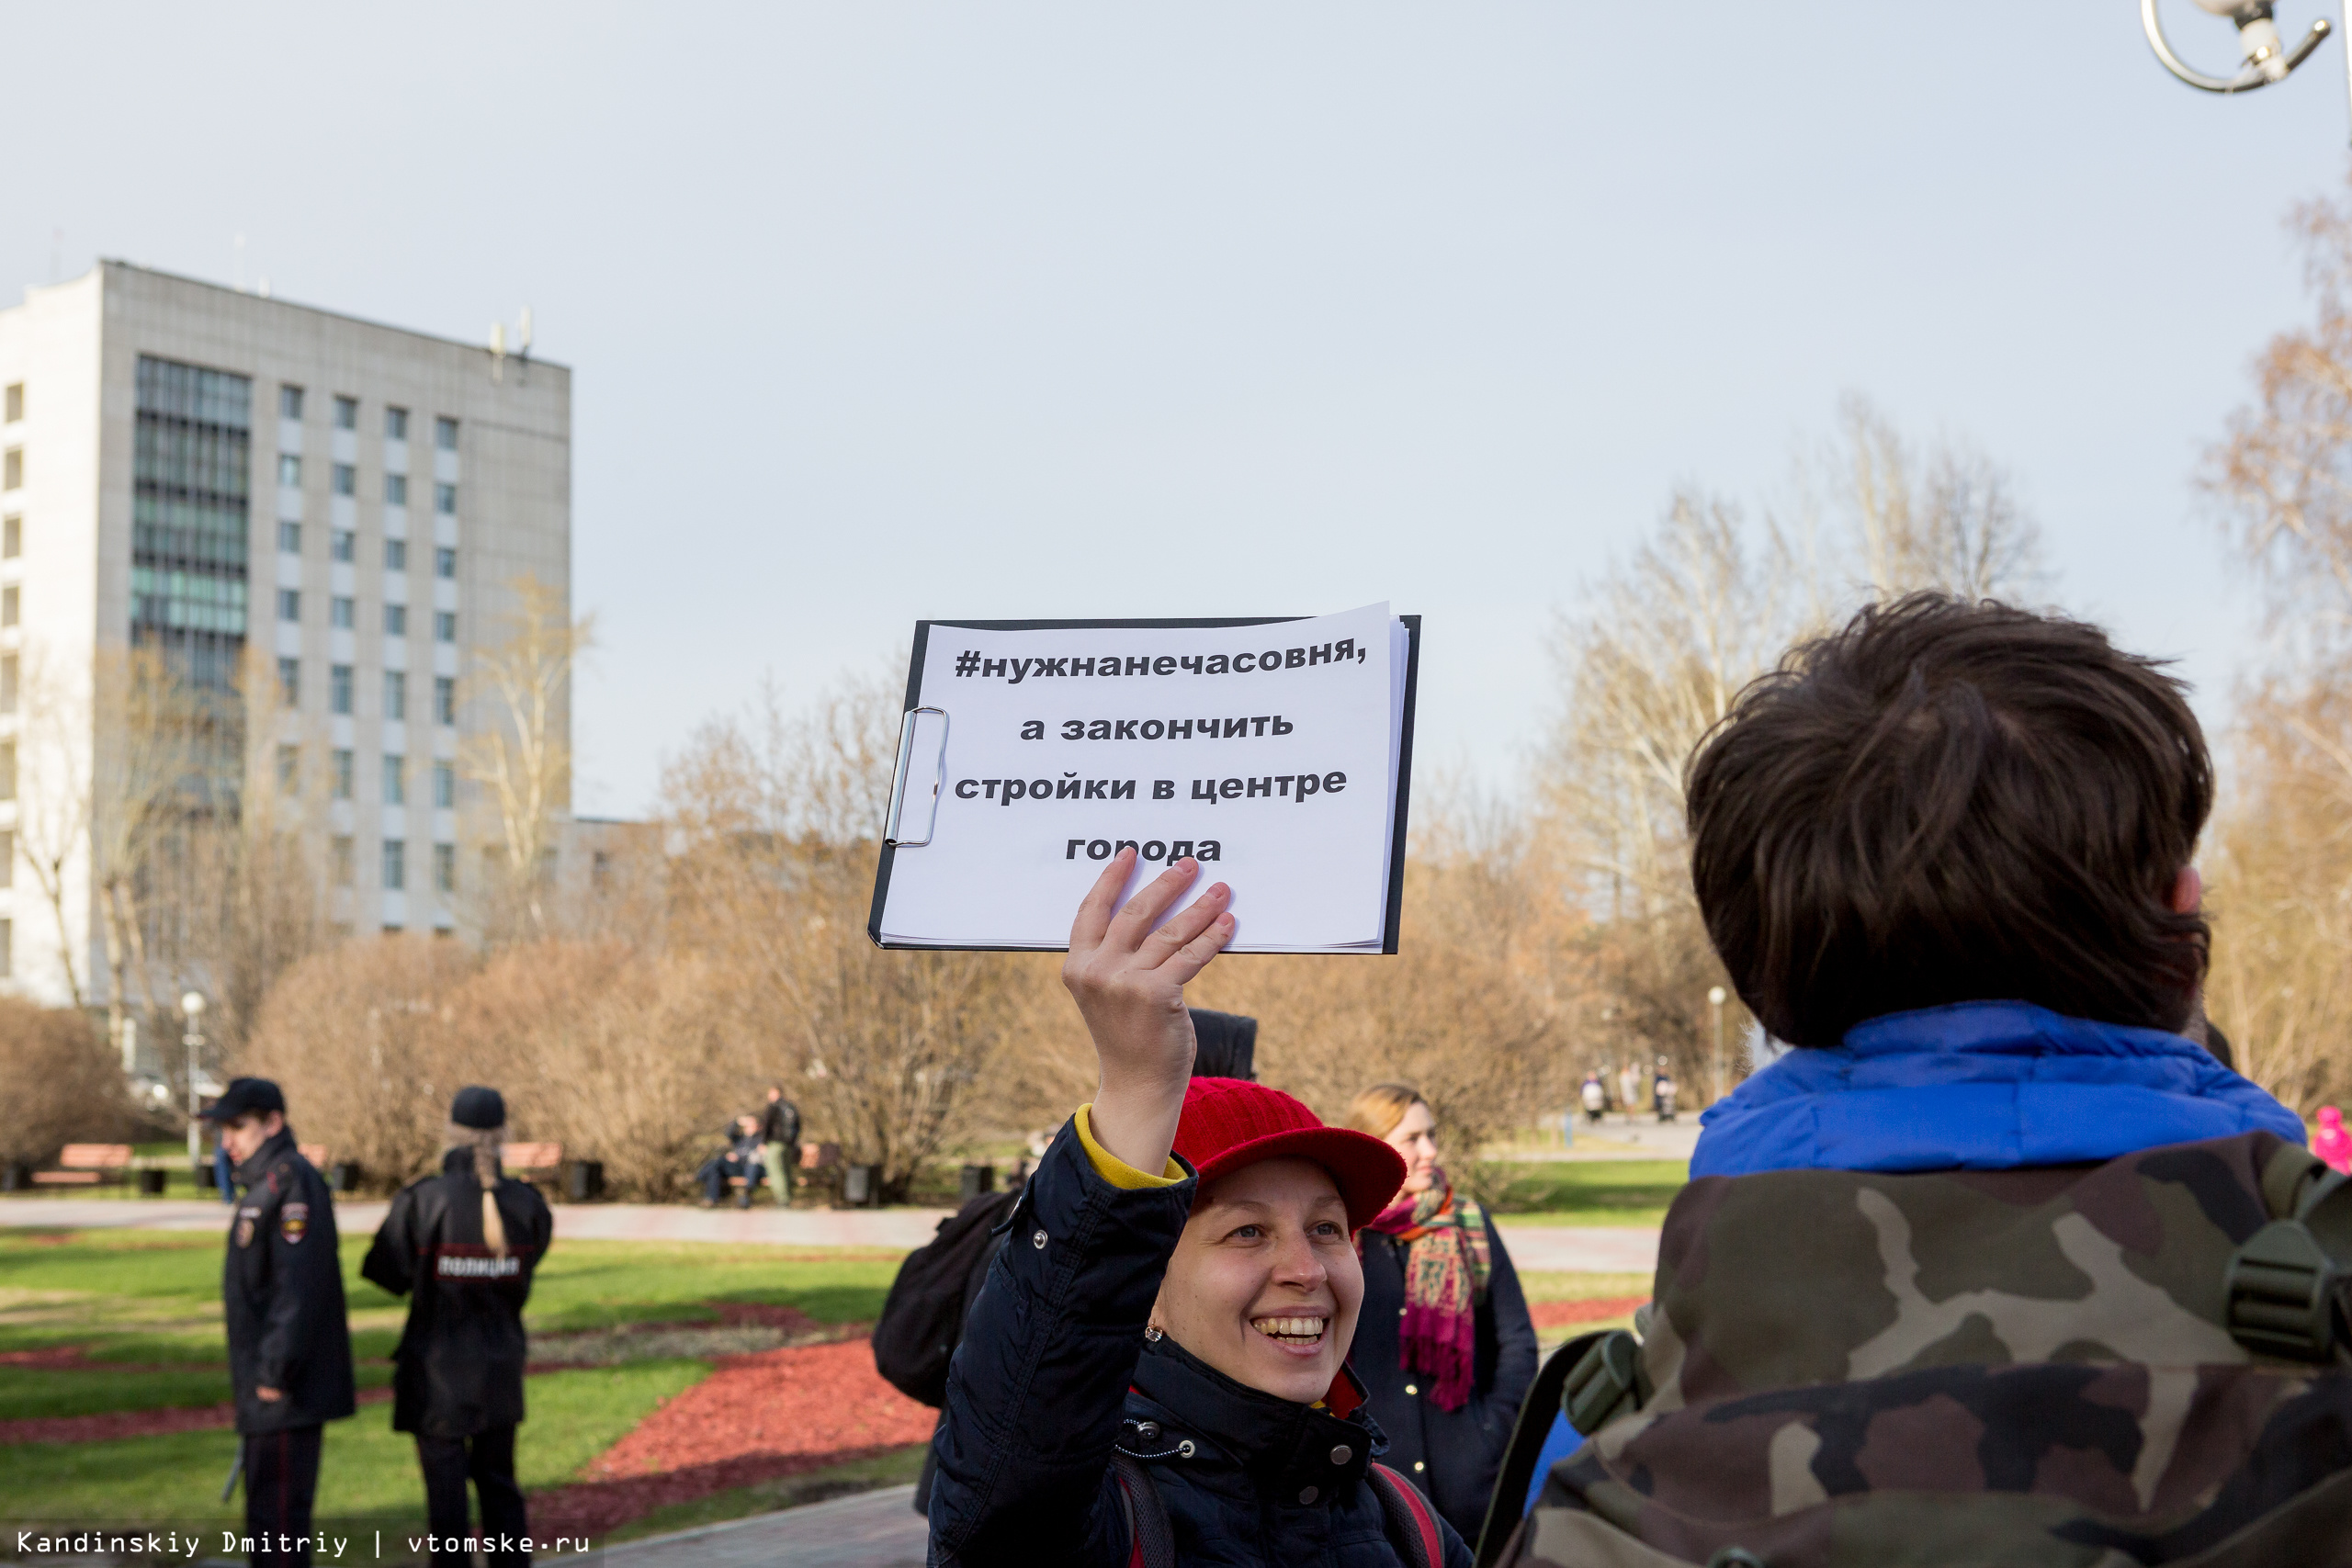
922	1318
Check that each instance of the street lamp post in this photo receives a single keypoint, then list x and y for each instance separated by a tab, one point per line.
1715	1000
2267	57
192	1006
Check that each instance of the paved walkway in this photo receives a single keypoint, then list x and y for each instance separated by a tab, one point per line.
1605	1249
873	1529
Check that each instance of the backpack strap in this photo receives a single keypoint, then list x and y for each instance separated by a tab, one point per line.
1412	1529
2286	1285
1151	1541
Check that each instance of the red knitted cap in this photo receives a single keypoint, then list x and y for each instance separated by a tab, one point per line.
1230	1123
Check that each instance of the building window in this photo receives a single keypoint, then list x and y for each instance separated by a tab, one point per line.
445	868
445	626
445	787
290	537
395	490
289	769
343	613
8	858
395	781
342	546
347	480
16	401
8	683
342	774
396	425
445	500
289	470
395	864
346	413
445	563
12	537
289	683
340	854
8	770
289	402
339	688
395	554
445	434
395	695
12	473
9	605
444	699
290	603
396	620
8	949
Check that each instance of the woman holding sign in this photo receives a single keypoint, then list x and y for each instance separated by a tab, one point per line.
1156	1370
1447	1348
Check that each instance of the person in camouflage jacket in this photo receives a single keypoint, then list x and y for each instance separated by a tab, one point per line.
1999	1266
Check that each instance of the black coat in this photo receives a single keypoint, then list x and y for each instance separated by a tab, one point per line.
459	1364
780	1124
1054	1371
281	1290
1454	1454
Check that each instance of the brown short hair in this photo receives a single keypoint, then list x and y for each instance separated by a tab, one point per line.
1946	802
1378	1109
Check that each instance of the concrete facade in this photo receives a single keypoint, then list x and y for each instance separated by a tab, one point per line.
394	489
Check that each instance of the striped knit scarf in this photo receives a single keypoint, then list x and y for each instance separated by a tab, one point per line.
1446	1267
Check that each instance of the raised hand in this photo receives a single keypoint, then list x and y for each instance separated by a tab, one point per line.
1128	981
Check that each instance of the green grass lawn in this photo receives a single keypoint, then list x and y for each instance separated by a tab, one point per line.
368	1471
1584	1193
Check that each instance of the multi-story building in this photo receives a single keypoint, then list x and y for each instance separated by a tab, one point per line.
313	519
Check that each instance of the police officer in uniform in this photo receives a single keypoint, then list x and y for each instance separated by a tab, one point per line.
289	1344
466	1242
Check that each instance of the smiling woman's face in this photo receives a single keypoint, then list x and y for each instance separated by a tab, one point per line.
1264	1285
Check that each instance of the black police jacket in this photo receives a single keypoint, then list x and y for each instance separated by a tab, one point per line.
1452	1454
281	1290
459	1368
1054	1371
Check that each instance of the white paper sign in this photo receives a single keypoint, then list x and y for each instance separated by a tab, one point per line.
1273	753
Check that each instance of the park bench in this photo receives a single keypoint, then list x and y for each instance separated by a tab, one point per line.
86	1164
522	1158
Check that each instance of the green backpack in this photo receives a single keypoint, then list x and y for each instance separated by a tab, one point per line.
2141	1361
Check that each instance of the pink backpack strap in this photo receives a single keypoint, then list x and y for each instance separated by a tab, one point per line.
1151	1541
1412	1528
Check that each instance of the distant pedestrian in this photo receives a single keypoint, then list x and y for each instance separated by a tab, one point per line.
780	1131
466	1242
741	1160
289	1341
1595	1095
1629	1088
1662	1091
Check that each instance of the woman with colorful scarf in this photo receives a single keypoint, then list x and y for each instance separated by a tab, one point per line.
1444	1345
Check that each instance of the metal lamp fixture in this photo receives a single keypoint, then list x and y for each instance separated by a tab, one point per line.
2267	57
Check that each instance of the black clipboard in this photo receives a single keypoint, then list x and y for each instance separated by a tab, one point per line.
1394	918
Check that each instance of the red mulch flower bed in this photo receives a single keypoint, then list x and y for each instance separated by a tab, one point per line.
1559	1315
755	1418
109	1424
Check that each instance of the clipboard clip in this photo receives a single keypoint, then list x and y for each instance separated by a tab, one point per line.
890	822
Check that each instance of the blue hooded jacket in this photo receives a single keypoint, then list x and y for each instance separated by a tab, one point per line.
1980	1086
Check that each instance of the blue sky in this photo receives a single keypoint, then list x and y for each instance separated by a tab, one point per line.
880	311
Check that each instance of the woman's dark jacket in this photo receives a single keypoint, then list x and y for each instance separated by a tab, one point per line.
459	1369
281	1288
1054	1369
1454	1454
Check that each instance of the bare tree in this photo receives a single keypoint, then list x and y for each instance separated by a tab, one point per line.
2282	476
1945	519
523	757
777	824
151	734
54	794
